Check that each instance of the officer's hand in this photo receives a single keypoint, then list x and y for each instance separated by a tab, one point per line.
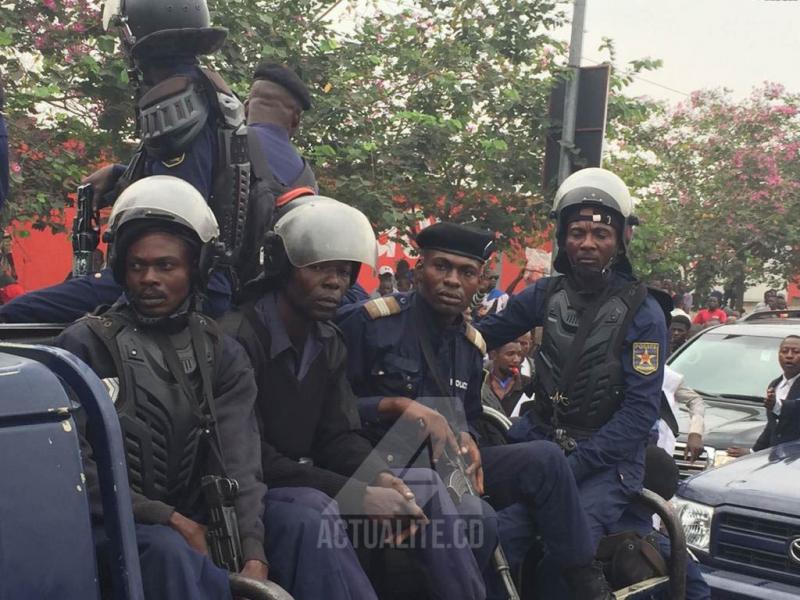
694	447
473	456
432	424
769	401
255	569
192	532
736	451
387	504
103	181
387	480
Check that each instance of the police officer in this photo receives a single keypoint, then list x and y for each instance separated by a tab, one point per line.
311	448
274	108
187	117
600	365
407	349
184	392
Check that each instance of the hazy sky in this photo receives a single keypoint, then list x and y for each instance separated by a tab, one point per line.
704	43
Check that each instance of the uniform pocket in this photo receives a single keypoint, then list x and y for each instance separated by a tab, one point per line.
396	375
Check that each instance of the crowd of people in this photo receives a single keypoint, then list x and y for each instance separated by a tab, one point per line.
231	332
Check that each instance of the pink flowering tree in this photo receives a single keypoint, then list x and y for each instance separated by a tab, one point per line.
67	103
719	180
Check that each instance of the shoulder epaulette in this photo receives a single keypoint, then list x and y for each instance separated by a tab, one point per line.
382	307
474	336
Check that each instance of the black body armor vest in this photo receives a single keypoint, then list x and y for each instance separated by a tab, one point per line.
167	429
597	389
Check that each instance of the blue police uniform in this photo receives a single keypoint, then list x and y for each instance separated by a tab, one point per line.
68	301
309	553
608	465
530	484
3	162
282	157
355	294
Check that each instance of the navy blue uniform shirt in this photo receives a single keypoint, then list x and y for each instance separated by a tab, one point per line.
385	358
620	442
283	158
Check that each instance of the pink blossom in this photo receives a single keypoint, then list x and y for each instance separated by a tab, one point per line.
15	167
772	90
51	4
787	110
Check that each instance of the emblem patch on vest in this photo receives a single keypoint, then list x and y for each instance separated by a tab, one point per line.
645	357
174	162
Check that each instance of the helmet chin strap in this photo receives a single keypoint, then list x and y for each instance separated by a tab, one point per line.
171	322
592	280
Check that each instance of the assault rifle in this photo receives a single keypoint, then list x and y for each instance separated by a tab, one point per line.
85	232
223	525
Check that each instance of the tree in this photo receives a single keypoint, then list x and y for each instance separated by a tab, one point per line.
436	110
67	106
719	180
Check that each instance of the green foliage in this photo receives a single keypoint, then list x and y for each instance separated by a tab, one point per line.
438	109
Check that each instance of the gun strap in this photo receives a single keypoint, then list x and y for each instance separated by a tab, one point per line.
427	353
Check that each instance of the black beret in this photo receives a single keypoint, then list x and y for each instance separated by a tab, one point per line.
287	79
457	239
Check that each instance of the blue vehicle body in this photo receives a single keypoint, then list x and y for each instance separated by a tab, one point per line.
754	552
46	542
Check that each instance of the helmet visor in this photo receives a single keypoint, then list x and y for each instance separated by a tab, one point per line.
167	198
327	230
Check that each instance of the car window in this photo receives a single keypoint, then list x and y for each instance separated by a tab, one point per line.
739	365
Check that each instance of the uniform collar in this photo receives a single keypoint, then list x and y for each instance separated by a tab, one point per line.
431	319
267	309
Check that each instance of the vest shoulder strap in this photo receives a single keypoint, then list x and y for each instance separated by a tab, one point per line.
217	82
204	324
475	337
106	328
382	307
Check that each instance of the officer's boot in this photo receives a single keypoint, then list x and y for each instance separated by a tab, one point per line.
588	582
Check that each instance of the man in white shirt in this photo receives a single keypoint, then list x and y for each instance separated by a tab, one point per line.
782	401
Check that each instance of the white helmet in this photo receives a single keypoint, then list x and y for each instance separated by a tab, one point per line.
161	199
594	188
320	229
